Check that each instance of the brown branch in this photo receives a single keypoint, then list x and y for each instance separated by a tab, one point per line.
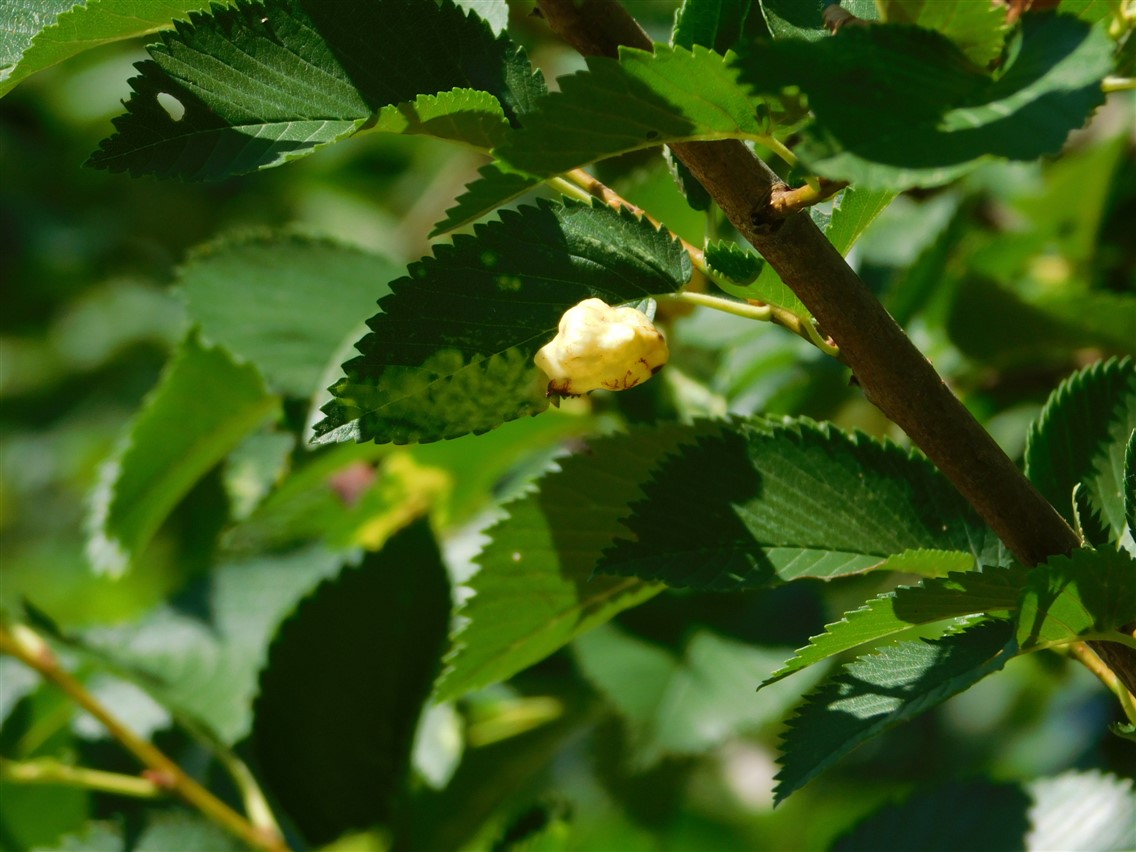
893	373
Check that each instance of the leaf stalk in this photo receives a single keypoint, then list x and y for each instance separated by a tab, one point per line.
50	771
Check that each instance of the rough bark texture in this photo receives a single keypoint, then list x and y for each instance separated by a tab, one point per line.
893	373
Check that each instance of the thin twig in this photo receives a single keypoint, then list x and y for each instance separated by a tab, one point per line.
27	646
784	203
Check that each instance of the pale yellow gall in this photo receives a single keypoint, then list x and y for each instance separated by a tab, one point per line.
598	346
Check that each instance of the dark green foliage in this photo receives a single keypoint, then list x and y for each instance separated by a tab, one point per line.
257	85
373	637
911	110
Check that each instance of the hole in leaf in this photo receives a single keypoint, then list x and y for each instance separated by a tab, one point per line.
174	108
652	134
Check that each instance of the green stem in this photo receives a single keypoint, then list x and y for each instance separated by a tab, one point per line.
566	187
778	148
762	313
48	771
1084	654
1118	84
23	643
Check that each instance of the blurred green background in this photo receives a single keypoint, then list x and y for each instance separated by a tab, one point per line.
1008	281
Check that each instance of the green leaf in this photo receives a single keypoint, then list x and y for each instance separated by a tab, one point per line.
716	24
1094	11
896	613
1090	593
920	114
852	212
95	837
283	302
792	19
756	503
643	100
738	264
78	28
451	351
203	406
1074	810
371	637
461	115
876	692
254	86
493	12
24	21
490	190
684	704
185	832
205	665
977	29
796	20
534	592
1081	436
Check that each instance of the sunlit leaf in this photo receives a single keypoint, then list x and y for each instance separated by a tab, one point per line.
878	691
203	407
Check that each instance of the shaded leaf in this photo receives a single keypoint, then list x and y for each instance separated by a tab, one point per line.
738	264
305	294
1091	592
687	703
1081	436
643	100
876	692
1093	11
535	591
895	613
202	408
372	637
919	113
451	350
257	85
977	29
758	502
716	24
78	28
